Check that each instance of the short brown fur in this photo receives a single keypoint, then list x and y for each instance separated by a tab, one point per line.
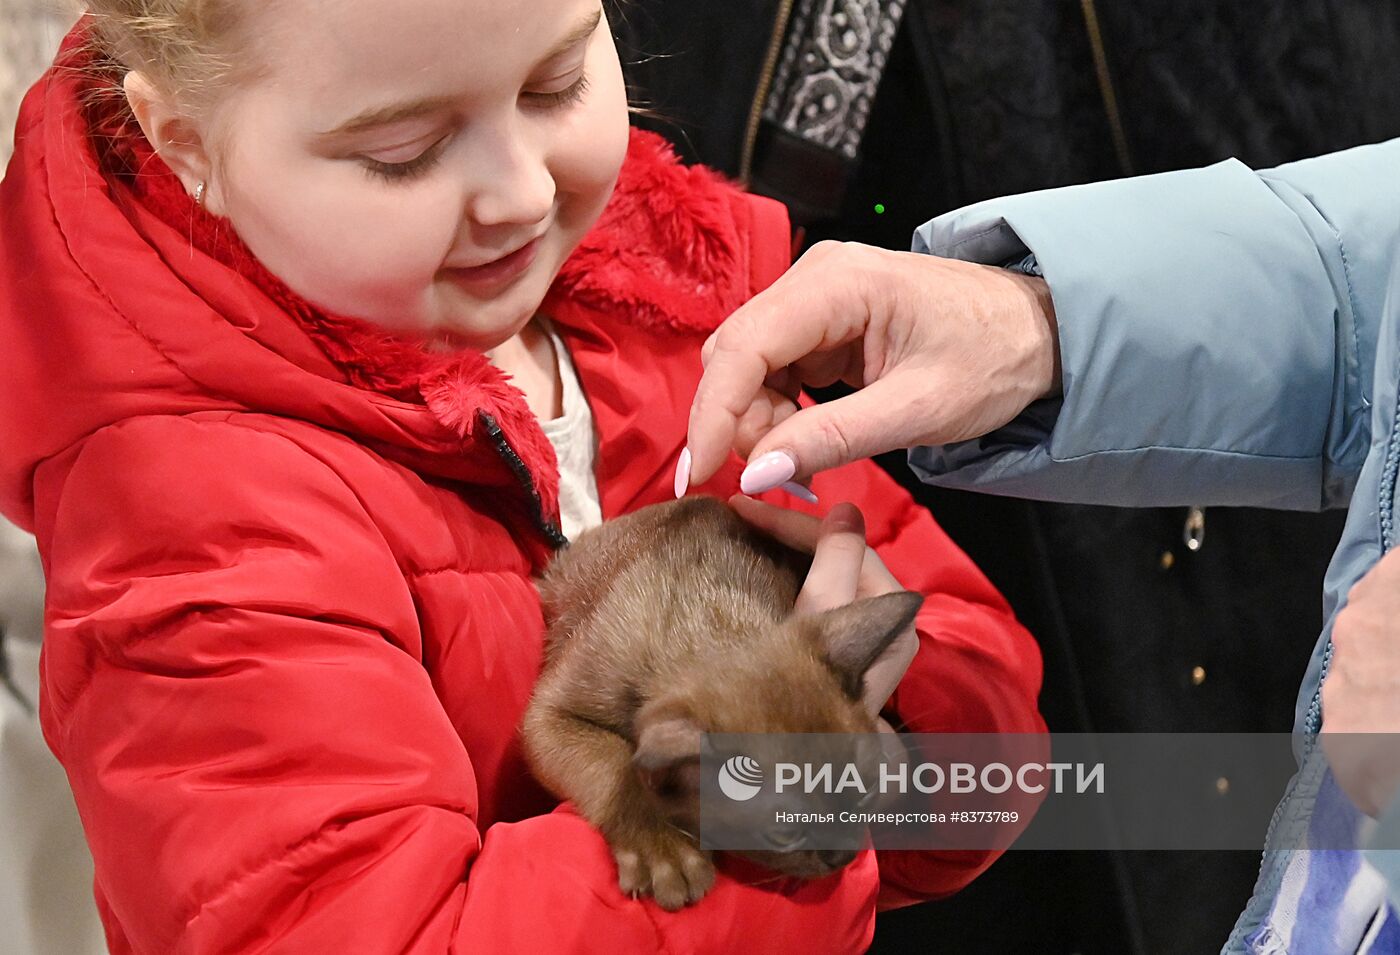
673	621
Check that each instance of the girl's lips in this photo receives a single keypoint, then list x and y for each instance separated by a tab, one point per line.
499	272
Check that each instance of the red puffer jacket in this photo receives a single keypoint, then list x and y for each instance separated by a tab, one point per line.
291	627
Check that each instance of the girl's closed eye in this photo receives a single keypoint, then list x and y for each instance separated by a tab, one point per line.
559	99
413	168
408	169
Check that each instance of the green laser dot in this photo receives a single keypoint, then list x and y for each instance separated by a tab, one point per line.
879	208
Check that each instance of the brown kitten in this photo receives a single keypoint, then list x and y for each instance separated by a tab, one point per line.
673	621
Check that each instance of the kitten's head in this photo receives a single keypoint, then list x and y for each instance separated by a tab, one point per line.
804	676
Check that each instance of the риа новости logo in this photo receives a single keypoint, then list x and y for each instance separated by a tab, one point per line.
740	778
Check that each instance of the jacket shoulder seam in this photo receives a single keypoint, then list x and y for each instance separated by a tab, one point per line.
1342	253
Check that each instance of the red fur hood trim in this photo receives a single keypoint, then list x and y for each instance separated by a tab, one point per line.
666	251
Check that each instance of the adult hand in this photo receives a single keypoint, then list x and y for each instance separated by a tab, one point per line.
943	351
1361	697
843	570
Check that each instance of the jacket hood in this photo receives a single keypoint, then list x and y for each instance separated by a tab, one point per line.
120	298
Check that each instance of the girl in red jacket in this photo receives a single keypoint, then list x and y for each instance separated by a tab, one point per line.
297	302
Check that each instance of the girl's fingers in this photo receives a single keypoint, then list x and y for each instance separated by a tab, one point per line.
796	530
836	543
875	577
834	579
801	532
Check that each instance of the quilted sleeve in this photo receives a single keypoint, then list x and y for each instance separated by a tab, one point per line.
1218	333
231	678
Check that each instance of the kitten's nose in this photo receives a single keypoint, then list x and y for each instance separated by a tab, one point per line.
835	858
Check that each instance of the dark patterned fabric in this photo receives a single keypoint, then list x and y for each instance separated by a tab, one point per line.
830	68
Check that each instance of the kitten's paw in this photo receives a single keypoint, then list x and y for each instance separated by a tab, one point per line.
667	866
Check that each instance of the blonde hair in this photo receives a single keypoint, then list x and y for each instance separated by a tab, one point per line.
188	48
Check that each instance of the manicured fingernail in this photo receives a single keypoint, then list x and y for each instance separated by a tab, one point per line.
797	490
767	472
683	473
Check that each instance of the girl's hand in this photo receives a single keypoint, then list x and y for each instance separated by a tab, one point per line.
843	570
941	351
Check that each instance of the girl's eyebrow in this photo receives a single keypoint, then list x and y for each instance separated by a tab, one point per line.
386	115
398	112
576	36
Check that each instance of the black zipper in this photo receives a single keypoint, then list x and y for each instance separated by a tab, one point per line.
548	528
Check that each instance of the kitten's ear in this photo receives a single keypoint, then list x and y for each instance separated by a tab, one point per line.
668	751
853	637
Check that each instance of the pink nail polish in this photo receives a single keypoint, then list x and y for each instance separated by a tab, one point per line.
797	490
683	473
767	472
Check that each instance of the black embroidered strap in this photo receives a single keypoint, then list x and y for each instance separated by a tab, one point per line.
832	60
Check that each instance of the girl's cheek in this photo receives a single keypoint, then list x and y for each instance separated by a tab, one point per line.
336	236
592	141
595	155
363	257
393	231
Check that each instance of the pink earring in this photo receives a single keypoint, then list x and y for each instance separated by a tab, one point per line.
199	193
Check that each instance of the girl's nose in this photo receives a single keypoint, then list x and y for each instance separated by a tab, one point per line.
512	184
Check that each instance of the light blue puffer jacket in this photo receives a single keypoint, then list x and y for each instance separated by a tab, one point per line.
1227	337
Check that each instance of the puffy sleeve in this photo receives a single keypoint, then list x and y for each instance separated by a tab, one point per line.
232	680
1217	331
